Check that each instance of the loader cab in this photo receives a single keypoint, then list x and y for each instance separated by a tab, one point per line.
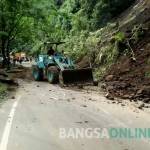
58	57
63	62
51	51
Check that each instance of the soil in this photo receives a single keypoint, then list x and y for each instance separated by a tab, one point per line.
21	72
10	78
128	78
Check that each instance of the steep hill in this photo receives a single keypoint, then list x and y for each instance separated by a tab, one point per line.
129	77
138	13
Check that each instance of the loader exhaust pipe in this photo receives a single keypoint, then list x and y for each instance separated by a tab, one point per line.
76	76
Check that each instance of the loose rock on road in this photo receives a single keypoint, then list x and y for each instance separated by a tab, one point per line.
33	119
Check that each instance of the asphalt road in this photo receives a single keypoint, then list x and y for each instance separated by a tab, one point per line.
33	119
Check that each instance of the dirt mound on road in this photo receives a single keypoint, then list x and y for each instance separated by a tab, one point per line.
130	79
21	73
17	72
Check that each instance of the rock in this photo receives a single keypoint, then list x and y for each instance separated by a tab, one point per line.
121	79
146	100
123	105
119	102
80	86
90	99
13	97
86	121
88	91
95	83
103	86
127	96
123	85
146	106
110	88
84	105
141	105
140	91
79	122
132	95
125	70
109	96
109	78
146	90
68	100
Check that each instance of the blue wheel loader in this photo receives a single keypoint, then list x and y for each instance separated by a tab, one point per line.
58	68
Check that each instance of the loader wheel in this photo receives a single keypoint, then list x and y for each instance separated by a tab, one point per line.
52	74
61	79
37	73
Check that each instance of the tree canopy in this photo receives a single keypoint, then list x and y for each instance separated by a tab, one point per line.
25	24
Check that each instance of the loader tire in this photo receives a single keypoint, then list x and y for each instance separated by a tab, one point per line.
61	81
53	74
37	73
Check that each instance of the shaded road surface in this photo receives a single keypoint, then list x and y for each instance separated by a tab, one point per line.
32	120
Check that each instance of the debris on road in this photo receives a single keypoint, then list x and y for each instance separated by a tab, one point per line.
83	105
109	78
109	96
141	105
13	97
5	77
7	80
86	121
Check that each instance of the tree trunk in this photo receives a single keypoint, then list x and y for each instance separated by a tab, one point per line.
3	53
8	55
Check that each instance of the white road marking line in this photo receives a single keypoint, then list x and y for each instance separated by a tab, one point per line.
6	133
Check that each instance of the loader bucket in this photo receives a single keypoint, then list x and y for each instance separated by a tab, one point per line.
76	76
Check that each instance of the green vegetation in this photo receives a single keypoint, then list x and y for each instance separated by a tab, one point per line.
85	25
3	91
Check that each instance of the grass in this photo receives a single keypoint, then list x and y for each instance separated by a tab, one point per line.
3	91
147	74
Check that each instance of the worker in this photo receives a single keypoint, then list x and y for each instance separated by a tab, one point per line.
51	51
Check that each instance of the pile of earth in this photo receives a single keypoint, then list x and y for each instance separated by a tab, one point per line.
128	78
18	72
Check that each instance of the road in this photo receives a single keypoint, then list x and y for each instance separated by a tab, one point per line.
32	120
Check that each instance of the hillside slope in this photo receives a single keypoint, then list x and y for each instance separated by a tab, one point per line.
138	13
129	77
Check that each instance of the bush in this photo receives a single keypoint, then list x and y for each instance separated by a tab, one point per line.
3	91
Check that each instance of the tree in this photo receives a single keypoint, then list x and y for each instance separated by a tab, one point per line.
11	13
25	24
